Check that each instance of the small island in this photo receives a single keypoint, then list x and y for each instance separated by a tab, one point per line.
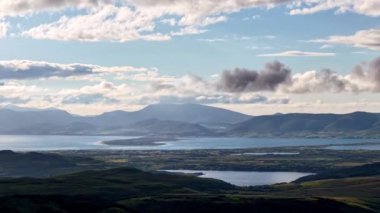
142	141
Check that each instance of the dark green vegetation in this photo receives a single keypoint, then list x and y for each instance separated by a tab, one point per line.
347	181
309	159
355	125
359	171
349	187
131	190
42	165
190	120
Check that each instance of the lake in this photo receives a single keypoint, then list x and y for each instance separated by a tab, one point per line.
240	178
355	147
54	142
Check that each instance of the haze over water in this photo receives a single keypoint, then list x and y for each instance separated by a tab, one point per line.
38	143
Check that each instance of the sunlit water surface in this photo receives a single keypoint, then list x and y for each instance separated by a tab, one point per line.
240	178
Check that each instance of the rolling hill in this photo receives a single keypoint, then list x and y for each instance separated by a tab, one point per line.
33	164
132	190
185	118
309	124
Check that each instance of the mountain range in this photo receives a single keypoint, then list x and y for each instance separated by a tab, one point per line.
188	120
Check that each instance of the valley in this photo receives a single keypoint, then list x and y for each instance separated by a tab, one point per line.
161	160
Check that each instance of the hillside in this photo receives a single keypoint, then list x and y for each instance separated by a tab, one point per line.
189	120
359	171
178	118
34	164
159	127
132	190
357	123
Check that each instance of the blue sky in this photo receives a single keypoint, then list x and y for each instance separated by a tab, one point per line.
177	44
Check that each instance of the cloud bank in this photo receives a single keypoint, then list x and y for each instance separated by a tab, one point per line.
24	7
25	69
118	87
276	77
130	20
123	21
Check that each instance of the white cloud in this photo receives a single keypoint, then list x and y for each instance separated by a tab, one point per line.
129	20
369	39
319	81
23	7
259	47
252	18
188	31
125	86
108	23
364	7
363	78
326	46
295	53
136	20
212	40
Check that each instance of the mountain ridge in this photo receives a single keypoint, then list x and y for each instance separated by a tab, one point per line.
190	120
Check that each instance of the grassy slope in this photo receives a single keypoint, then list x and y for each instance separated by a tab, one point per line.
359	186
360	191
33	164
365	170
131	190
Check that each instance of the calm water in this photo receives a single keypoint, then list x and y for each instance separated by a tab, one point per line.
248	178
28	143
356	147
52	142
268	153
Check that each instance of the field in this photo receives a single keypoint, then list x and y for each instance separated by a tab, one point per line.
128	181
300	159
132	190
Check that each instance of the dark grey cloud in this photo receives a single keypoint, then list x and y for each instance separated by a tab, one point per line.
329	77
243	80
374	71
277	77
369	72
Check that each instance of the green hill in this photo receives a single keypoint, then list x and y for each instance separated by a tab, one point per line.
33	164
132	190
359	171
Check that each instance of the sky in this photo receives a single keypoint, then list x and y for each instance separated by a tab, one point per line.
253	56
